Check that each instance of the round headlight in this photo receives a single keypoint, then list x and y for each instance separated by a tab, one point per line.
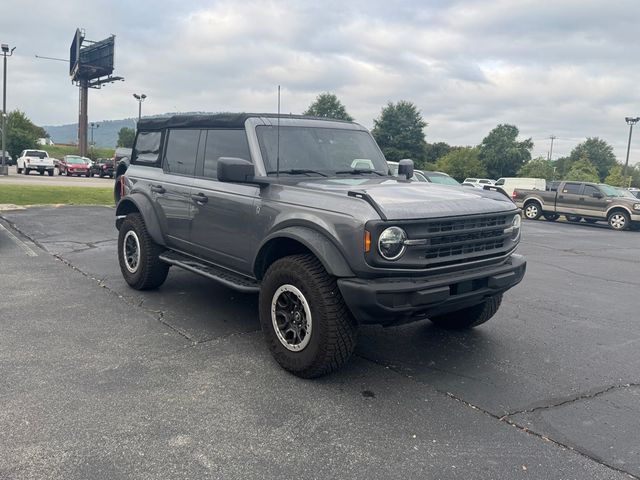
515	225
391	243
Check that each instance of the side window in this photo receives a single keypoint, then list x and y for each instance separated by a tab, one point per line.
181	151
589	190
224	143
572	188
147	149
500	182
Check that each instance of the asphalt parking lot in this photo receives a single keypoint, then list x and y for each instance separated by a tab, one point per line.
101	381
57	180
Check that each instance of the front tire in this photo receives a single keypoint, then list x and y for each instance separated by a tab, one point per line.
138	255
532	210
551	217
307	326
619	220
18	170
50	173
590	220
572	218
469	317
26	171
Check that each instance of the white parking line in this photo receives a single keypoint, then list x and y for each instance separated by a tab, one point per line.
20	243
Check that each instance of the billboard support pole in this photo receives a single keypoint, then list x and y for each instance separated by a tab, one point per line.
83	117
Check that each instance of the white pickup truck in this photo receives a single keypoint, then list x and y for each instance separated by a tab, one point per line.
35	160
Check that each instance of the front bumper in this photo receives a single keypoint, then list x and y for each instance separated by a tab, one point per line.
40	168
390	301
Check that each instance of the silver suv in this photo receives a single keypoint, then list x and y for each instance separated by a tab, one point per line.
304	212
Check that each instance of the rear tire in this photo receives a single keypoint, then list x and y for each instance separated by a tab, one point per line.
532	210
18	170
138	255
469	317
26	171
50	173
307	326
572	218
590	220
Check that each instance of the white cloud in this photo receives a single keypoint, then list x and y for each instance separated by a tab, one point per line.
563	68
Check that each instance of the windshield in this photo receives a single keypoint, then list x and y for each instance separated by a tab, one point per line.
326	150
624	193
610	191
36	153
75	160
443	179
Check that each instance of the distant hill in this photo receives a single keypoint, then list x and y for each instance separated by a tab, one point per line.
105	136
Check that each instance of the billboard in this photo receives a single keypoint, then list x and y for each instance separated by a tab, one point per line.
74	52
91	60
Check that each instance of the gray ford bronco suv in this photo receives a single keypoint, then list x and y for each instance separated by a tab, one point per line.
305	212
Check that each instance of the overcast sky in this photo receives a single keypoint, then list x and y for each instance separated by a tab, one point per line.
567	68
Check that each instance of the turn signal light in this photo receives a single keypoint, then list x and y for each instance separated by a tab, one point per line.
367	241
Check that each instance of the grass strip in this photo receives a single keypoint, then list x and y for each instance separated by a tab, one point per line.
47	195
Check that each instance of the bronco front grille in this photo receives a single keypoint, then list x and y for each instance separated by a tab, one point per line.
462	239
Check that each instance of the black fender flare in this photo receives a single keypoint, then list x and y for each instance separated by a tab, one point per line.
318	243
140	203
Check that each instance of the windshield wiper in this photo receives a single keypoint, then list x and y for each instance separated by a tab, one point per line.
359	171
298	171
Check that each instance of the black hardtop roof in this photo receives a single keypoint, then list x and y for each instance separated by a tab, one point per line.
217	120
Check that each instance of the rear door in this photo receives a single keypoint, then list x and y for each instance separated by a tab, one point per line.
568	198
224	212
171	193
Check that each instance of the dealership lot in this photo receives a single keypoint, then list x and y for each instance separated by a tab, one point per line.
102	380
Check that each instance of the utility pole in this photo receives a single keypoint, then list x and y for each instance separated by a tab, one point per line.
631	121
93	127
82	117
4	168
552	137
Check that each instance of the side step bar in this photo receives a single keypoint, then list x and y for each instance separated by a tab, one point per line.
220	275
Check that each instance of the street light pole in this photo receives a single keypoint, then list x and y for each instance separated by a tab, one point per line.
93	126
140	98
631	121
4	168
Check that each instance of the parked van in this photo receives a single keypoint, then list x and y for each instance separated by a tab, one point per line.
507	185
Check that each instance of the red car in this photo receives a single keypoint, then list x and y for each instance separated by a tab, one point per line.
74	165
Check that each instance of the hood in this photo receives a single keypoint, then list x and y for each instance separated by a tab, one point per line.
396	200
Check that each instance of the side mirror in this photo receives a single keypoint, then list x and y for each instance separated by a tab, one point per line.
597	195
405	168
235	170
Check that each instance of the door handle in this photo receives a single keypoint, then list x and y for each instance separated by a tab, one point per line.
200	198
560	197
157	189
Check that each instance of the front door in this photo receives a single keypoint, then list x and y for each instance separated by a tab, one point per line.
223	212
594	202
568	198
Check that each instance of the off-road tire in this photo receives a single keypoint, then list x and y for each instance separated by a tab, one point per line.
532	210
469	317
551	217
151	272
619	220
333	329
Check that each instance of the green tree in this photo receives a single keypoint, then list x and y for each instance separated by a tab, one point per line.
582	170
598	152
462	162
563	165
399	130
434	151
22	133
327	105
537	168
501	152
126	136
616	178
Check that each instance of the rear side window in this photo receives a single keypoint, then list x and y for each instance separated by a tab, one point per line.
181	150
573	188
224	143
147	149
